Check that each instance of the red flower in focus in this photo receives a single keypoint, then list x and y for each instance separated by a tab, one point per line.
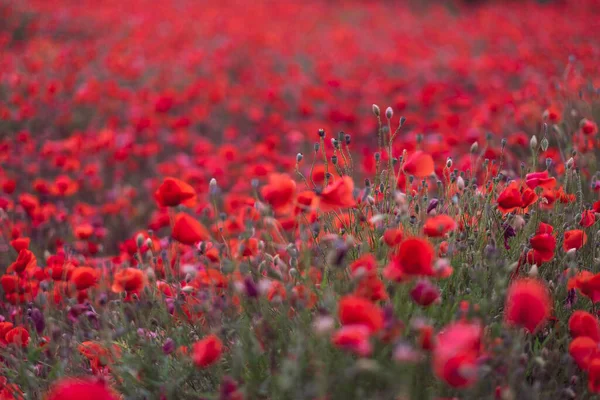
188	230
359	311
528	304
173	192
588	218
76	389
339	194
574	239
541	179
419	164
543	245
130	280
439	225
582	323
414	258
207	351
510	198
456	352
280	192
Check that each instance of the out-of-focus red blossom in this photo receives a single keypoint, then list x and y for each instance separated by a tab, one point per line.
336	195
188	230
129	280
18	336
173	192
574	239
582	323
582	349
207	351
354	338
413	258
456	352
77	388
280	192
439	225
84	277
25	260
419	164
393	236
528	304
359	311
425	293
364	265
21	243
588	127
10	391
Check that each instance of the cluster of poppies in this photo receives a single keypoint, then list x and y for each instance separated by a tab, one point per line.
204	199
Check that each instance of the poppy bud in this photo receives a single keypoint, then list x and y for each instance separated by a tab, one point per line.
299	157
212	185
544	144
533	143
389	113
474	147
402	121
376	110
321	133
449	162
570	163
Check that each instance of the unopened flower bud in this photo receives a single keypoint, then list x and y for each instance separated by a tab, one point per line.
376	110
460	183
212	185
389	113
139	240
299	157
533	143
474	147
321	133
449	162
570	163
544	144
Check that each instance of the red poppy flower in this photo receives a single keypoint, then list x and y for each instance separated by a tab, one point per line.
543	245
354	338
280	192
439	225
130	280
510	198
25	260
588	284
20	244
188	230
18	336
366	264
588	218
574	239
393	236
173	192
84	277
207	351
594	375
419	164
339	194
359	311
414	258
425	293
456	352
75	389
582	349
541	179
582	323
528	304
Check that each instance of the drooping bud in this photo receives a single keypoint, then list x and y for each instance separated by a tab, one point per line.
474	147
299	157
